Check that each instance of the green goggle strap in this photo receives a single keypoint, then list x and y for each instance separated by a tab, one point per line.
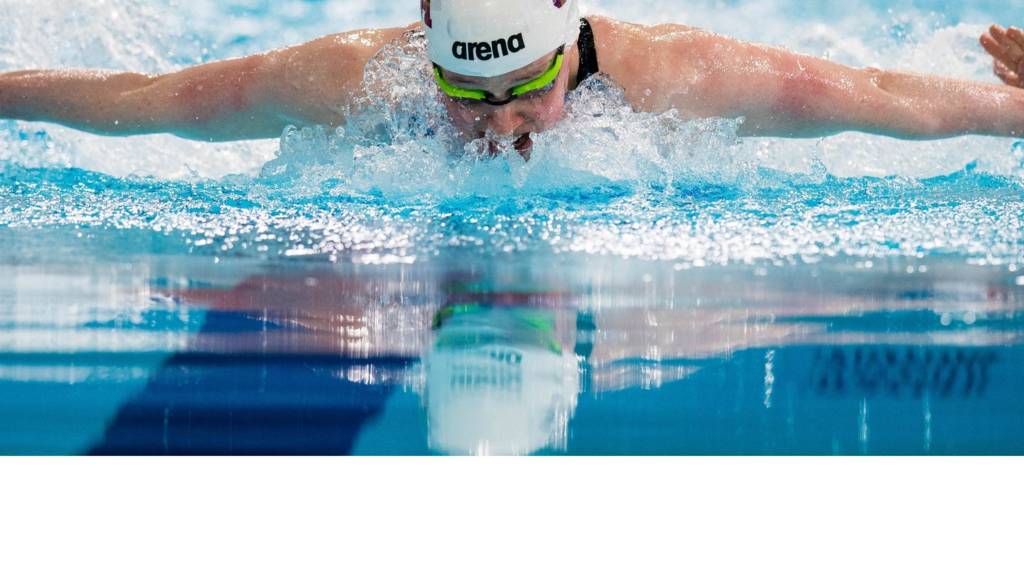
482	95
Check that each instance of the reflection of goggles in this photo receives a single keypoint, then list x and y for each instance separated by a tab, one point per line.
537	84
533	328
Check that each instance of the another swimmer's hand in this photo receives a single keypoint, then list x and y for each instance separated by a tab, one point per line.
1007	48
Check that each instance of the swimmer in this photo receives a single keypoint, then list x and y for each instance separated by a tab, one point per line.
505	68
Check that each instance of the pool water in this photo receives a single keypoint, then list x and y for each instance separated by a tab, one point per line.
644	285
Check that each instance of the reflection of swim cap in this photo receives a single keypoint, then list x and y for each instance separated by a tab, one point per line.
489	38
495	386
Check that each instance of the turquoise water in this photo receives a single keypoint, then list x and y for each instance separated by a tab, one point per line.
644	285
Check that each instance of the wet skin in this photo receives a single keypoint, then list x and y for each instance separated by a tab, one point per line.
660	68
530	113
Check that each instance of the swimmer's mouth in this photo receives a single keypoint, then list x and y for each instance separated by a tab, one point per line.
523	144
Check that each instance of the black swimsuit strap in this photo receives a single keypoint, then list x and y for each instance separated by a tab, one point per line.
588	52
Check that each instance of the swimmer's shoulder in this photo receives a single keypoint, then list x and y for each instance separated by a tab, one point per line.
643	58
621	44
326	74
354	46
372	39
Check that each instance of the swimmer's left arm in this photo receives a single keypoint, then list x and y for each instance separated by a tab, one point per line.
780	93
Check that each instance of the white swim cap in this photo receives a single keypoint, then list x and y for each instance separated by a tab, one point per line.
488	38
498	383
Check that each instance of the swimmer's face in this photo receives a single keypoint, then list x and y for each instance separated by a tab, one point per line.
532	112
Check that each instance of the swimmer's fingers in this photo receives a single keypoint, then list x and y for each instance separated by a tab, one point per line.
1006	75
1012	44
993	46
1001	63
1016	36
1007	47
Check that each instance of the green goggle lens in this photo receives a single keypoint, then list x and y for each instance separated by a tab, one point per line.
537	83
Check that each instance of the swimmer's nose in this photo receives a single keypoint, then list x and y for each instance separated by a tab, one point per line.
504	120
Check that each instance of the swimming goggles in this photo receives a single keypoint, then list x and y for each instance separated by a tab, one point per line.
534	85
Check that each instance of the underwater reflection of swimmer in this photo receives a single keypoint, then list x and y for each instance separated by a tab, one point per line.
500	380
304	364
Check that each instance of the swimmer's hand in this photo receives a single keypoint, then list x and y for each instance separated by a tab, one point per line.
1007	49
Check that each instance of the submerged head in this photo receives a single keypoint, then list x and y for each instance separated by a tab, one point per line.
502	67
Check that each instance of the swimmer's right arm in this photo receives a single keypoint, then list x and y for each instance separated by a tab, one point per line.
245	98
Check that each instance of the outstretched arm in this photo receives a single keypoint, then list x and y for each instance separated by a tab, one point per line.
245	98
780	93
